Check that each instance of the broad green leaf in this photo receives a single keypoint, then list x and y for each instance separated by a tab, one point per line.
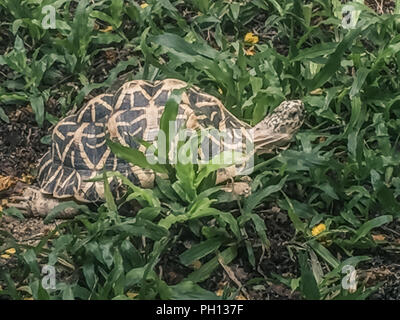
260	227
141	227
323	253
134	156
187	290
59	209
333	63
14	212
102	16
138	193
136	275
90	275
308	284
116	8
318	50
254	199
222	160
30	258
235	10
38	107
369	225
206	270
3	115
108	195
359	81
200	250
168	122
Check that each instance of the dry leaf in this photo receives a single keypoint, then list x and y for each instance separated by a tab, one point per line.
111	56
219	292
196	264
3	203
378	237
317	92
250	51
27	178
108	29
6	182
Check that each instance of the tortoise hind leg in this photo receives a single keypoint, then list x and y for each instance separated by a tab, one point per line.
32	202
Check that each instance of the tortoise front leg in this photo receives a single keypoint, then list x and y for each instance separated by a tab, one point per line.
240	188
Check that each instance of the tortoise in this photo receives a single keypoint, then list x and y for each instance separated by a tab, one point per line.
79	150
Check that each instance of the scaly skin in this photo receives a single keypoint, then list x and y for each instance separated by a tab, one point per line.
33	203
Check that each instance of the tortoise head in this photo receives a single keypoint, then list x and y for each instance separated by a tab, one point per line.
278	128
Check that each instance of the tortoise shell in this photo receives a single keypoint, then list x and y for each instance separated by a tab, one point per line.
79	151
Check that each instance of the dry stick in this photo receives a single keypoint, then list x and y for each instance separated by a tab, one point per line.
391	230
29	135
232	276
379	6
61	81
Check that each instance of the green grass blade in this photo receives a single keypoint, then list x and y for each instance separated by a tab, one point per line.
207	269
199	251
369	225
333	63
134	157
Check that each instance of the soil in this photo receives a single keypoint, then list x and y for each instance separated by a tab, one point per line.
27	231
20	146
381	6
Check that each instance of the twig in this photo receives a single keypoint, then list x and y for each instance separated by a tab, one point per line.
232	276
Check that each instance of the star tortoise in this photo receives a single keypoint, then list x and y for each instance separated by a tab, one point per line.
79	150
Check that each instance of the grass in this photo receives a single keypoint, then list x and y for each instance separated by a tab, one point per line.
342	170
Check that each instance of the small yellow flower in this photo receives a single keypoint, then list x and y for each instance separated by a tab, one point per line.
5	256
108	29
10	251
144	5
220	91
318	229
250	38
